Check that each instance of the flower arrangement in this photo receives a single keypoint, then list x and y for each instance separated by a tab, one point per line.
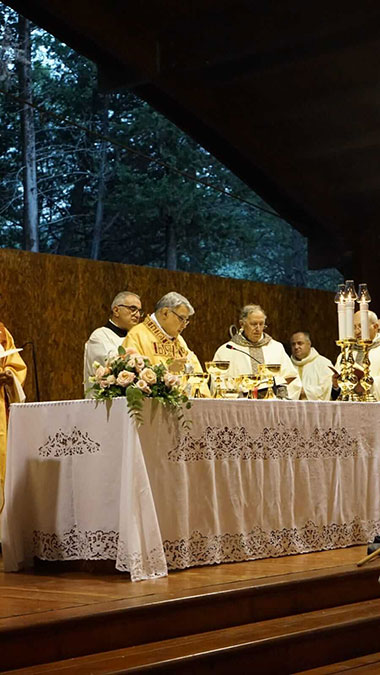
131	375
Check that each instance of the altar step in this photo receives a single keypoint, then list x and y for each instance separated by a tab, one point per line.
275	646
274	625
369	664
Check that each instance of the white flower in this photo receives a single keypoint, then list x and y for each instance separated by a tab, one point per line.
141	384
124	378
139	363
149	376
171	380
101	372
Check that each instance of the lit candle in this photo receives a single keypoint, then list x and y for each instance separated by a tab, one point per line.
339	299
341	320
350	295
364	300
364	320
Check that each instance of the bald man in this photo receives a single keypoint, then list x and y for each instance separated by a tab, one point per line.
314	370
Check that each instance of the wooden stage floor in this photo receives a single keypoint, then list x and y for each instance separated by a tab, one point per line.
56	587
84	617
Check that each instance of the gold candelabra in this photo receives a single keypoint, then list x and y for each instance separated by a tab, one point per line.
366	381
348	380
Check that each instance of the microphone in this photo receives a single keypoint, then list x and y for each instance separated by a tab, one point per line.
243	352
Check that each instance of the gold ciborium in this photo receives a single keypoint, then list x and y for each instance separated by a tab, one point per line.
195	382
217	368
246	384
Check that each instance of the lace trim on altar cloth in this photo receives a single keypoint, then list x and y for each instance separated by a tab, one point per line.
201	549
99	545
217	443
74	443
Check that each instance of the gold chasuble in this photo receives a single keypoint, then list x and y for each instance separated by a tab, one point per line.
8	394
148	340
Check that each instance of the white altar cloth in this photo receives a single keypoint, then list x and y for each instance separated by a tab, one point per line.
248	480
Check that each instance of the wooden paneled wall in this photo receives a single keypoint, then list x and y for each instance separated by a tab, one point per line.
55	302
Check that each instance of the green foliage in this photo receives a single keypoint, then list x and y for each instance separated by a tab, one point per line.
151	215
132	376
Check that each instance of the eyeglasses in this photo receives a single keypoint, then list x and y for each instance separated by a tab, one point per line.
183	319
133	309
257	325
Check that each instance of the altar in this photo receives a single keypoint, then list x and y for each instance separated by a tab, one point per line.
244	480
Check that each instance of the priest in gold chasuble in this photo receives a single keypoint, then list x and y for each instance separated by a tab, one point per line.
159	336
12	377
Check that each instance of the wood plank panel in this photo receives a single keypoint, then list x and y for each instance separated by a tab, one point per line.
55	302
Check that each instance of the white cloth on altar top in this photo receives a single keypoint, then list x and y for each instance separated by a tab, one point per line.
102	343
314	376
273	352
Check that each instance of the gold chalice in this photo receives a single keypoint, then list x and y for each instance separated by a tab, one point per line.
267	372
274	368
217	368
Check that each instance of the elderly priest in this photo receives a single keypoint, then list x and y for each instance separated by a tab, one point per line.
12	377
314	370
251	346
159	336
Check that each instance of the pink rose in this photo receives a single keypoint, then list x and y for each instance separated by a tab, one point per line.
171	380
131	351
111	359
131	363
139	363
101	372
111	379
124	378
141	384
149	376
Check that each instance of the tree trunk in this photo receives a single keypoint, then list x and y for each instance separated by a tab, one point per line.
30	215
98	227
76	209
171	244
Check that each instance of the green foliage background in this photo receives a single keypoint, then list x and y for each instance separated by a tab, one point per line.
150	214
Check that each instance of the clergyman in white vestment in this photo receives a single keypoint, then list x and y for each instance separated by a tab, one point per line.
253	346
314	370
126	312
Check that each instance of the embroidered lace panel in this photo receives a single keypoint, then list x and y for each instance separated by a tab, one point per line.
98	545
201	549
217	443
75	443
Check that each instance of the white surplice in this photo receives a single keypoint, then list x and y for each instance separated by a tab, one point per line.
241	362
102	343
315	375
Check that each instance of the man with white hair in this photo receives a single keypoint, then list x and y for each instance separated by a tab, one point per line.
373	354
126	313
314	370
159	336
251	347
